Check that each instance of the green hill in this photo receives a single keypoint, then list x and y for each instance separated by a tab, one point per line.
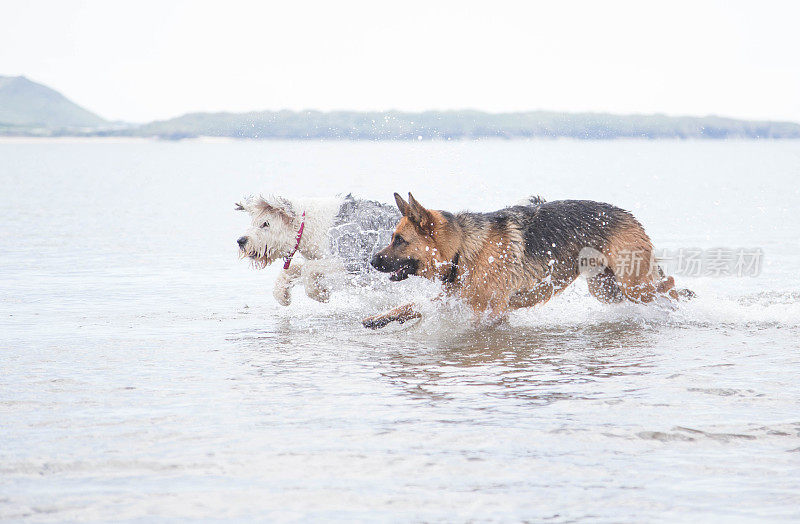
26	104
395	125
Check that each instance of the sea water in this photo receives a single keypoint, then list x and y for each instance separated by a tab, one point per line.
147	372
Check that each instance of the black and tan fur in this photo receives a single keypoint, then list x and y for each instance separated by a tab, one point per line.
519	256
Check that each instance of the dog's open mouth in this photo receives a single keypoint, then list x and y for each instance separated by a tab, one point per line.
406	269
398	269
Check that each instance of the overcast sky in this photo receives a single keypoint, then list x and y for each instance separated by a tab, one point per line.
143	60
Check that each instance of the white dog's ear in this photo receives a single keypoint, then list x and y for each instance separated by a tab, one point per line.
287	215
279	207
247	203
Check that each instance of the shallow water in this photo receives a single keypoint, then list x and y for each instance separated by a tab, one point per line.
149	373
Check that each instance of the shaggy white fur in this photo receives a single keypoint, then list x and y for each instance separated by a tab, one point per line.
275	222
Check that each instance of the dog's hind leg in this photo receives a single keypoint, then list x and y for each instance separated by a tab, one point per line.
604	287
666	286
530	297
631	260
283	284
637	288
537	295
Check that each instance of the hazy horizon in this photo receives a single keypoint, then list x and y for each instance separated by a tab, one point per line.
145	61
390	110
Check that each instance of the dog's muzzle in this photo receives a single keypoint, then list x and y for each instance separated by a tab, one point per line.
400	269
242	242
379	262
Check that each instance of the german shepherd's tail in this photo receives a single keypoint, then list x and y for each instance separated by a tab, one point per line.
533	200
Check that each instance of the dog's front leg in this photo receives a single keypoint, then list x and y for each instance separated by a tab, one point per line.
400	314
285	281
314	272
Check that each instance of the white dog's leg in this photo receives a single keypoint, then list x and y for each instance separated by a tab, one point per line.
283	285
314	273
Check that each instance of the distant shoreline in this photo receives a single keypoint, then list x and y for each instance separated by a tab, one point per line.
109	139
35	112
69	139
229	140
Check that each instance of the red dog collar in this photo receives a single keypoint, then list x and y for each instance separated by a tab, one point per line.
297	245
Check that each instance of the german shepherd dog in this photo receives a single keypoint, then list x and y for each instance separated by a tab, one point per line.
521	256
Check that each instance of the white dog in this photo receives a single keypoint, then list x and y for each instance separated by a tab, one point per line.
334	236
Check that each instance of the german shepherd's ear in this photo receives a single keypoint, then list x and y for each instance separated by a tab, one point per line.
402	205
419	216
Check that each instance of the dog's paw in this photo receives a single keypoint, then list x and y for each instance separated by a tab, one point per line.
316	289
282	295
376	322
318	293
665	285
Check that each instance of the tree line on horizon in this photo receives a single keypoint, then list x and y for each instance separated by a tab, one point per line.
454	125
429	125
31	109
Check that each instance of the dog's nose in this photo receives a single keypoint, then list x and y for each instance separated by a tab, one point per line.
377	261
242	241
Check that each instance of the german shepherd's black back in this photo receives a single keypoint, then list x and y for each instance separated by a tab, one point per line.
557	231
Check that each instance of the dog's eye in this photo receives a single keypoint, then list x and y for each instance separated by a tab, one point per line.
265	224
399	241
